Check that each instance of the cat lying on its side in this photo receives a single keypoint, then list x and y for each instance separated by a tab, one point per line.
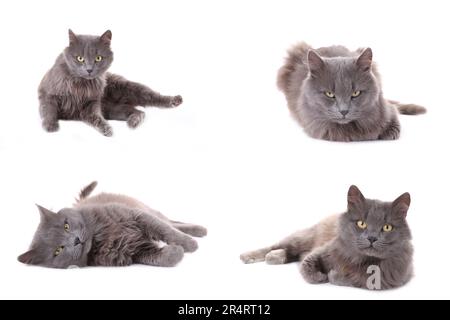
109	230
350	248
78	87
335	94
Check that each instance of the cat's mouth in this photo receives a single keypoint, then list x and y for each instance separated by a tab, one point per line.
343	120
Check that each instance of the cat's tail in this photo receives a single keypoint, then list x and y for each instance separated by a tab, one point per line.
296	55
408	109
86	191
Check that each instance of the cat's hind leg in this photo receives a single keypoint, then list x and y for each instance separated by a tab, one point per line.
261	255
191	229
120	91
130	114
160	229
168	256
291	249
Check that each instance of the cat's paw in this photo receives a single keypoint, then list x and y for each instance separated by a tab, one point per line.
176	101
189	244
315	277
391	133
107	131
135	119
251	257
276	257
50	126
171	255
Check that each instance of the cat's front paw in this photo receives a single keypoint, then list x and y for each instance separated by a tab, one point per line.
189	244
176	101
391	133
171	255
107	131
50	126
135	119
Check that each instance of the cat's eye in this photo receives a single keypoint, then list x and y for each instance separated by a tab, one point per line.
98	58
361	224
66	227
356	94
80	59
330	94
58	251
387	228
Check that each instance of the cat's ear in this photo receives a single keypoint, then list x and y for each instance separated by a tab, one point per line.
355	199
106	37
72	37
28	257
364	61
315	63
45	213
401	205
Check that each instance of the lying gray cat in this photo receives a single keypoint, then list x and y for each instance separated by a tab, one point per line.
109	230
335	94
78	87
346	249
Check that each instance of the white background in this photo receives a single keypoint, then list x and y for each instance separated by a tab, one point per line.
231	157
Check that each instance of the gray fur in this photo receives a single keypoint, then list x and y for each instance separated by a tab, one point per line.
109	230
308	74
74	90
337	251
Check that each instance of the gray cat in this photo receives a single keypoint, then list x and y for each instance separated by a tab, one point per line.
78	87
335	94
109	230
369	246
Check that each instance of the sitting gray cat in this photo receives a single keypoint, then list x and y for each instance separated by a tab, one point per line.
369	246
78	87
109	230
335	94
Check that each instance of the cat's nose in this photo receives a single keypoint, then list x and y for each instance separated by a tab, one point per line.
89	70
344	112
77	241
372	239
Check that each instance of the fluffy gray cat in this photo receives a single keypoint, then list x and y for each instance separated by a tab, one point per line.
109	230
346	249
78	87
335	94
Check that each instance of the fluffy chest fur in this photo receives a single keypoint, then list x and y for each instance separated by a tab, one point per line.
72	93
117	238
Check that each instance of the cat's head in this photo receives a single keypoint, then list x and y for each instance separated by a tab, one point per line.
342	89
374	228
88	57
61	240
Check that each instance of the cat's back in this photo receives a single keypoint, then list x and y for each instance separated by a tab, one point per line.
108	199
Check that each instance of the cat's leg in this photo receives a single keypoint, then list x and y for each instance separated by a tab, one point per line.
191	229
392	131
256	256
92	115
313	268
48	109
130	114
338	279
123	92
167	256
291	249
162	230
